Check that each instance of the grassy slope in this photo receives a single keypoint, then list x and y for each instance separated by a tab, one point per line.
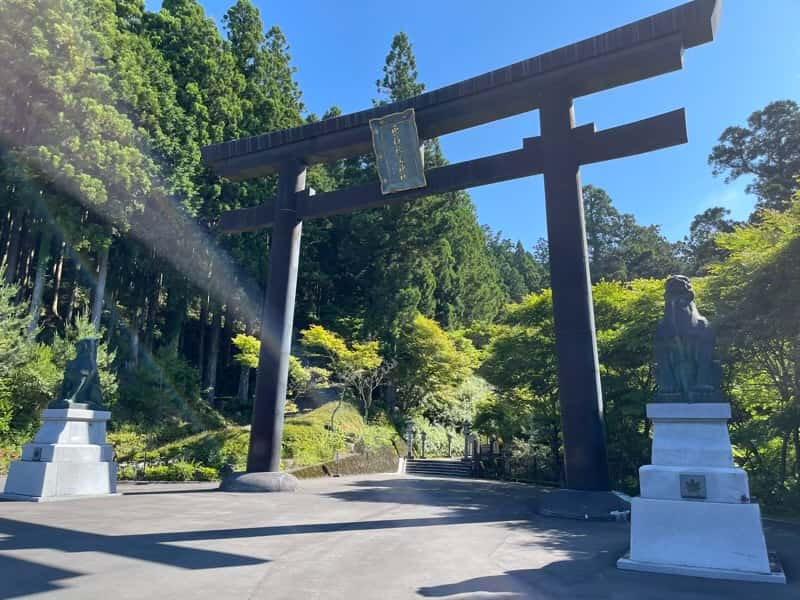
307	440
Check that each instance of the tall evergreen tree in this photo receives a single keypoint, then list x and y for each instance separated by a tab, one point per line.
767	149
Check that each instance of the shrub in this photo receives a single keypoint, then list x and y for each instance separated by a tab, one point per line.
129	445
179	471
126	473
436	442
163	394
25	391
215	449
348	420
7	455
373	437
306	443
307	439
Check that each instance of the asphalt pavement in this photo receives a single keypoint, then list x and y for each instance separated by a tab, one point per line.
372	536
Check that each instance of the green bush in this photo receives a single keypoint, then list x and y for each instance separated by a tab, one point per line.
25	391
179	471
126	473
215	449
163	395
348	420
306	443
307	440
436	442
7	455
373	437
129	445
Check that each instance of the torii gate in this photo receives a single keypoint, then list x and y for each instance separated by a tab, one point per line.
548	82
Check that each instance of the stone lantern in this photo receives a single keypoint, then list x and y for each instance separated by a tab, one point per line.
467	433
410	430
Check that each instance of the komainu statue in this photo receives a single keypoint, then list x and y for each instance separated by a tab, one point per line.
685	367
81	385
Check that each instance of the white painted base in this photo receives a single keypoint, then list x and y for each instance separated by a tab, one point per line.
710	535
775	576
67	459
712	531
723	484
691	434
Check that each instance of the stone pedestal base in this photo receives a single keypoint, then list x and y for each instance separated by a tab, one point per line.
268	481
68	458
694	515
710	539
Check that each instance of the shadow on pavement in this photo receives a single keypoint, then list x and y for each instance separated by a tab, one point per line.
19	578
584	566
598	578
29	577
591	548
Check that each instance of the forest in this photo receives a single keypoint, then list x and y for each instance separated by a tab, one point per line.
107	230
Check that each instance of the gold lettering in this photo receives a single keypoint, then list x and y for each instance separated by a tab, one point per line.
398	149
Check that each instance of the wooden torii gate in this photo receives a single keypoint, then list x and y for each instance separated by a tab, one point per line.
548	82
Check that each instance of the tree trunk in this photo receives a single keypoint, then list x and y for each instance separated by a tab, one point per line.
244	385
175	315
150	315
58	270
784	455
227	338
8	222
213	356
134	348
14	241
26	257
796	437
38	285
113	320
100	287
73	295
201	345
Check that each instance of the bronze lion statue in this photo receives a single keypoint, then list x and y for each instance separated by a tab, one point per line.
684	346
81	385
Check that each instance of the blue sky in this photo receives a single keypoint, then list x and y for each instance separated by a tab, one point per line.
339	49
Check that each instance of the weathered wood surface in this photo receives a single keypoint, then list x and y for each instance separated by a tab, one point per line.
645	48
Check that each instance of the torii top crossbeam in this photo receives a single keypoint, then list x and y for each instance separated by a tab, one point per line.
646	48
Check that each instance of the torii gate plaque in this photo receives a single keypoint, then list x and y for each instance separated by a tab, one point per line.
549	83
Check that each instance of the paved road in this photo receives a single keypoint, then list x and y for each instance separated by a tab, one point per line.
377	536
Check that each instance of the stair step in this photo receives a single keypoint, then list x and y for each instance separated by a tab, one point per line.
435	467
438	468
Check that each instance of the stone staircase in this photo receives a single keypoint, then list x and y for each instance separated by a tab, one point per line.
438	467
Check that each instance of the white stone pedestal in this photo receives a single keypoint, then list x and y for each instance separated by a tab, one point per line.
68	458
694	515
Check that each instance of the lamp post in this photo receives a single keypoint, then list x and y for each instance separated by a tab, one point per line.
424	437
467	431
